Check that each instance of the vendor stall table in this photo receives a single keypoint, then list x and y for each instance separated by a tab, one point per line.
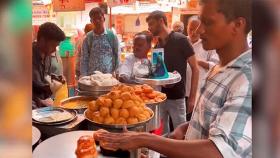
64	146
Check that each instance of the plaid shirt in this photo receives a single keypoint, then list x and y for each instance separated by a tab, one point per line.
223	112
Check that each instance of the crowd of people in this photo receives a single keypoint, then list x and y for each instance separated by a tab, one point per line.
214	60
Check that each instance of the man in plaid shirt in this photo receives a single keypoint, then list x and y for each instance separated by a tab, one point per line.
221	124
223	113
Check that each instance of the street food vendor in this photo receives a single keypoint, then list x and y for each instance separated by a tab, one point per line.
141	47
221	124
48	38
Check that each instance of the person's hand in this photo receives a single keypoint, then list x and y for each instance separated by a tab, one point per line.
97	133
123	78
203	64
55	86
58	78
191	103
178	133
124	141
46	102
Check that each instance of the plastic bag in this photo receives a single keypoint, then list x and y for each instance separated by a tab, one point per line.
60	94
142	68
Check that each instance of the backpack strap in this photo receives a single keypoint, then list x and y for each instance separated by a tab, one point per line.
112	40
90	40
111	37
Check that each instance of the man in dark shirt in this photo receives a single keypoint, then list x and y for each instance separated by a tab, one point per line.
48	38
177	52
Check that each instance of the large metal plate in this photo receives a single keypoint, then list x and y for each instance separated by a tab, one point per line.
73	113
49	115
157	103
174	77
36	135
119	126
62	146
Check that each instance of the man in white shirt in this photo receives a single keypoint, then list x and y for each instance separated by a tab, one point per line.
141	47
206	59
178	26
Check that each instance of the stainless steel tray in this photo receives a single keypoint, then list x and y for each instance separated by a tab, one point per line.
119	126
92	94
73	112
157	103
62	146
174	77
36	135
91	88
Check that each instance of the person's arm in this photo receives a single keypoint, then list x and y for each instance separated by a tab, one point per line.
211	61
169	147
203	64
117	43
180	148
232	130
40	90
125	70
179	132
84	60
38	85
194	81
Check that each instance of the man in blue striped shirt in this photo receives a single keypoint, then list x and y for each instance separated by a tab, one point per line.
100	50
221	124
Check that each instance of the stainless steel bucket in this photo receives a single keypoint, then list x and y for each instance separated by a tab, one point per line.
93	91
155	122
139	127
93	94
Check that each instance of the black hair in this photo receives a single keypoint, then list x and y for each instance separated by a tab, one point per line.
148	35
233	9
50	31
96	10
157	15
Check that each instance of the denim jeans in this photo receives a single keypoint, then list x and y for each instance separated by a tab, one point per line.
176	109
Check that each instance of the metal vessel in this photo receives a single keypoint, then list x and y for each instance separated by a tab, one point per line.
155	121
140	127
94	94
70	99
93	91
174	77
